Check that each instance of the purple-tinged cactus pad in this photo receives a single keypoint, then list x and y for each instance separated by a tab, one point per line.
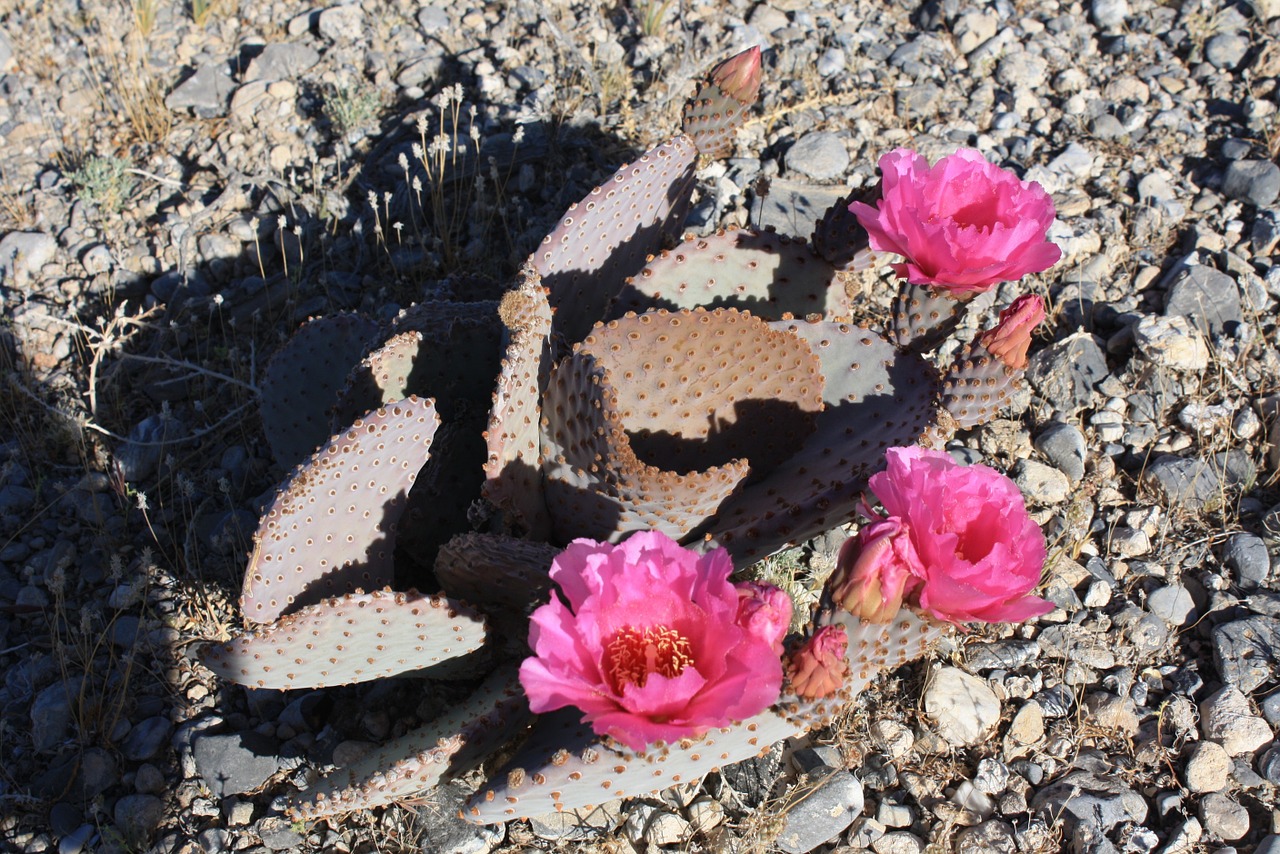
565	766
840	238
331	529
424	757
352	638
513	465
768	274
496	569
875	397
923	317
714	114
302	381
608	235
977	386
445	488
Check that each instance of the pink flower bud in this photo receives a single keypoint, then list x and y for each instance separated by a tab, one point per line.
818	669
764	611
739	76
1009	339
875	571
962	225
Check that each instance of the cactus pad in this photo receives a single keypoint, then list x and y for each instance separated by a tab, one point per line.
302	381
923	317
331	529
495	569
423	757
977	386
352	638
720	107
606	237
840	238
767	274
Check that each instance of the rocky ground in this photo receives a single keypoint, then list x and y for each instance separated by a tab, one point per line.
181	185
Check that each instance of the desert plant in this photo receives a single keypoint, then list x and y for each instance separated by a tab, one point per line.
104	181
709	391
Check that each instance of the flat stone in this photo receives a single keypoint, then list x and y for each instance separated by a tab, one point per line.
1247	558
341	23
278	835
1245	651
1027	726
648	825
990	837
281	61
433	19
1226	717
51	715
207	93
1171	342
579	824
1112	712
963	707
918	101
147	444
236	763
1041	484
1209	298
22	254
823	814
1226	50
1223	817
819	155
898	842
1108	14
1208	767
1067	372
146	738
1255	182
1190	484
138	816
1100	800
1171	603
1003	655
1064	447
793	207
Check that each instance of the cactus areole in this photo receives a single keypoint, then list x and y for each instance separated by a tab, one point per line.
700	400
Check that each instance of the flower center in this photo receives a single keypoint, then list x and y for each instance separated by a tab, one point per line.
633	653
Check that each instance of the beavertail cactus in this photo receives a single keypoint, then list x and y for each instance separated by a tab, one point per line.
711	393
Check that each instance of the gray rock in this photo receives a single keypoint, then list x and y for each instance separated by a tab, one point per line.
831	62
341	23
1207	297
753	779
1269	766
1100	800
963	707
1225	717
1270	706
1245	651
1107	126
147	738
1223	817
993	836
578	825
1146	632
1063	446
1269	845
6	53
148	442
433	19
138	816
277	835
1067	372
22	254
918	101
1171	342
445	833
207	93
281	61
1041	484
1246	556
819	155
215	840
1003	655
1190	484
1226	50
76	841
51	715
1108	14
1208	766
823	814
1256	182
235	763
793	207
1171	603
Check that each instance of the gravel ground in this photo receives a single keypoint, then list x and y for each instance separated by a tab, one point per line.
181	186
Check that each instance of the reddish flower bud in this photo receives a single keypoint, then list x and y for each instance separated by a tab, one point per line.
1009	339
739	76
873	572
818	669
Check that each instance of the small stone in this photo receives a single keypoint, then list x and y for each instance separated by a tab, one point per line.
51	715
573	826
894	815
819	155
236	763
647	824
1190	484
1225	717
1254	182
1108	14
277	834
1247	558
1171	603
963	707
147	738
1068	371
990	837
1112	712
1226	50
1184	839
207	93
831	62
968	797
823	815
918	101
1271	708
895	739
1097	800
1245	651
992	776
433	19
898	842
973	28
147	444
1064	447
1041	484
22	254
1171	342
138	816
75	841
1129	542
281	61
149	780
341	23
1027	726
1269	766
1223	817
1210	299
705	813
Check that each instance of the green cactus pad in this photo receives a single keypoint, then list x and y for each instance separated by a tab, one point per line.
657	417
513	465
767	274
424	757
496	569
443	350
331	529
565	766
714	114
977	386
608	235
302	381
352	638
923	317
875	397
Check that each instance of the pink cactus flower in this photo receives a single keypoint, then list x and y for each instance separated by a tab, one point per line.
739	76
818	669
957	543
652	642
963	225
1009	339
